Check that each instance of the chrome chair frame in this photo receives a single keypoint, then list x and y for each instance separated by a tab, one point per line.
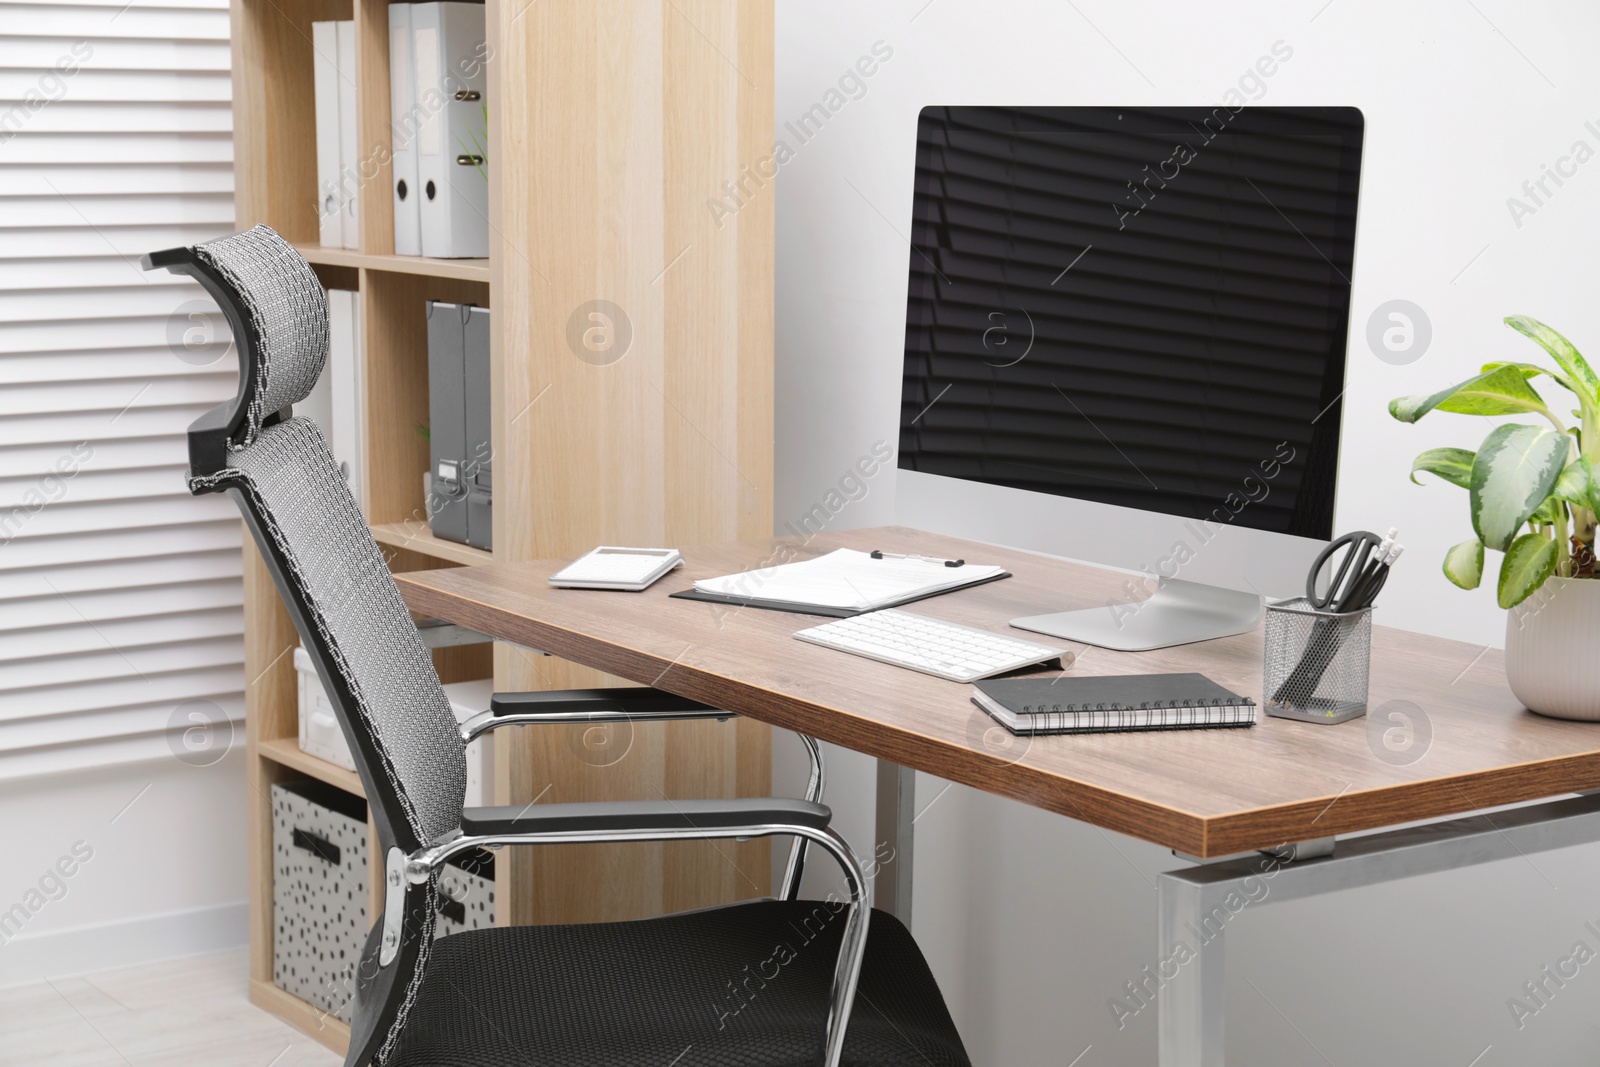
484	722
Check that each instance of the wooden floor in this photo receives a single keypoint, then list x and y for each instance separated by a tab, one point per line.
183	1012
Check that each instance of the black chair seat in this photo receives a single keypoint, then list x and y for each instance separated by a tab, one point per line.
741	986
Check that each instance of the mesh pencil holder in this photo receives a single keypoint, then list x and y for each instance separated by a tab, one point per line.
1316	662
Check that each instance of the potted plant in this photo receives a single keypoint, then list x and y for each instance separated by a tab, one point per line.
1533	495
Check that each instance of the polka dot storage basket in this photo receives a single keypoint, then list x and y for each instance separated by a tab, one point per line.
319	893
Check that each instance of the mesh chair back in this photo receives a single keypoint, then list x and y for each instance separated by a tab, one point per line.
355	625
304	506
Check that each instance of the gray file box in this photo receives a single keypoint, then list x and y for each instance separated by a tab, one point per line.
480	448
459	435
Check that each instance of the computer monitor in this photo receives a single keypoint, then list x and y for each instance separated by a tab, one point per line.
1133	310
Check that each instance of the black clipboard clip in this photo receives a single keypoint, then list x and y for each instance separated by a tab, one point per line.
877	554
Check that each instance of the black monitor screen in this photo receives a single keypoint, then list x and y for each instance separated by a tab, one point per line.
1143	307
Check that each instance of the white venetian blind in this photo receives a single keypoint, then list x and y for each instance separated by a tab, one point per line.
119	592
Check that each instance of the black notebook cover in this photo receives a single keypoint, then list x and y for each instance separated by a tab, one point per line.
1075	704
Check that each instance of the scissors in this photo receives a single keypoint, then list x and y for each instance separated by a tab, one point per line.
1344	563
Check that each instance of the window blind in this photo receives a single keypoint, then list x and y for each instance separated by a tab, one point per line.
120	598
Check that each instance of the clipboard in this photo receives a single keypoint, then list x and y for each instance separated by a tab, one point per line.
833	613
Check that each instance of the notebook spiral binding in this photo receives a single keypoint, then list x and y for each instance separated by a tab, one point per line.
1128	718
1147	705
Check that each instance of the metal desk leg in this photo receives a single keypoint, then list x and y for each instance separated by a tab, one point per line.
894	838
1191	1006
1197	905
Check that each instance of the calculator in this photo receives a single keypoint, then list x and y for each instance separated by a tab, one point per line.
611	567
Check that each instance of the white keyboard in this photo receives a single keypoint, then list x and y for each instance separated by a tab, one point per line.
932	646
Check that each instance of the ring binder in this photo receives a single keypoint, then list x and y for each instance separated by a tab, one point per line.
404	122
448	53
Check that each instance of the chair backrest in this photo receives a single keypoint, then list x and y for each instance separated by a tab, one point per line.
333	579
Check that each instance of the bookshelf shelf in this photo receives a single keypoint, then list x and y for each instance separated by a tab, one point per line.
467	270
286	751
416	537
586	451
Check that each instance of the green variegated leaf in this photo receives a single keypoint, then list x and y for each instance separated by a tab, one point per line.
1454	465
1512	475
1530	371
1529	561
1548	513
1581	376
1503	391
1576	484
1463	564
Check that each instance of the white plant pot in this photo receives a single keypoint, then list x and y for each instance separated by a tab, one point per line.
1551	659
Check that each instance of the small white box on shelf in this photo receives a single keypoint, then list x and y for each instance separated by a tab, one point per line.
321	736
466	700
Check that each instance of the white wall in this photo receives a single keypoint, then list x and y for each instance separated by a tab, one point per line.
1034	921
151	862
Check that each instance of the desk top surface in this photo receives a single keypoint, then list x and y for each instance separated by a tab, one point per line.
1444	734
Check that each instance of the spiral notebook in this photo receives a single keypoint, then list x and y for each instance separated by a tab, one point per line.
1107	703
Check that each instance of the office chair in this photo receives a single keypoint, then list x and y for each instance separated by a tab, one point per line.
770	982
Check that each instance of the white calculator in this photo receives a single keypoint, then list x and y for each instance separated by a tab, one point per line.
610	567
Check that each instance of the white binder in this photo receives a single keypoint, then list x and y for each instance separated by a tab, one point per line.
345	379
325	95
318	404
402	133
448	47
349	151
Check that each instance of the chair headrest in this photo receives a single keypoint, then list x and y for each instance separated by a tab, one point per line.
284	312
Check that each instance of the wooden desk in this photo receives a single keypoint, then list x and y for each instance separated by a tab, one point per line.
1203	792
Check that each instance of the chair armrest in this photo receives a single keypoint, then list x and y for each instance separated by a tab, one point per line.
645	815
586	707
629	704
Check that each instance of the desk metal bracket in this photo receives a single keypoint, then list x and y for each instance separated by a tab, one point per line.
1197	905
1316	848
437	633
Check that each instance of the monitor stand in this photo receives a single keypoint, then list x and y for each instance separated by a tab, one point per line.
1178	613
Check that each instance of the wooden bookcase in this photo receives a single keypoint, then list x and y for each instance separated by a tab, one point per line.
613	125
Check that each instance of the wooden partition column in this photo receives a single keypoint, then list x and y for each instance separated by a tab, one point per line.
634	383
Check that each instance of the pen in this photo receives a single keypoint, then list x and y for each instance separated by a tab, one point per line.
1365	591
